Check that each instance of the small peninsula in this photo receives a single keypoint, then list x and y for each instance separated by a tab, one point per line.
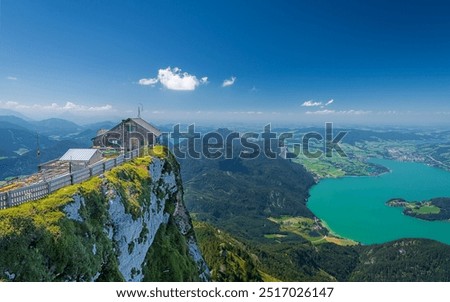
433	209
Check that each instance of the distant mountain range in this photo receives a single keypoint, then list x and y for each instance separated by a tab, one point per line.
21	138
15	113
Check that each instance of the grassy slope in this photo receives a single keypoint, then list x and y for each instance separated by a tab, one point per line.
39	243
228	258
168	258
312	230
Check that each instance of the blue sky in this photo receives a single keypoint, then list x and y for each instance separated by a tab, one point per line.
381	62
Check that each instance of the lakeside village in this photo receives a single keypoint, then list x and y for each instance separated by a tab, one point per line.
109	148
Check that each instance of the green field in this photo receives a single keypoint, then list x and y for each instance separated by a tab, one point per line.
426	209
353	164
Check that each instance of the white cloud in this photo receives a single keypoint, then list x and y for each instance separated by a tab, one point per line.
11	78
147	82
311	104
342	112
246	112
8	105
325	111
389	112
68	106
356	112
106	107
11	104
228	82
175	79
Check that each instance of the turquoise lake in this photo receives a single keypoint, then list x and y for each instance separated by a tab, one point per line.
354	207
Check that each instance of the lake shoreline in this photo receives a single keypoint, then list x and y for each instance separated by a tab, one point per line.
338	203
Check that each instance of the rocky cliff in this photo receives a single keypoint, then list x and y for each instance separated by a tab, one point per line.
129	224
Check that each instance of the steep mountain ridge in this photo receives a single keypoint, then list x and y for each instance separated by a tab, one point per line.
114	227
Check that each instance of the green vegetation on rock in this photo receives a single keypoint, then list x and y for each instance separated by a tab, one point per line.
39	243
228	258
132	181
168	258
433	209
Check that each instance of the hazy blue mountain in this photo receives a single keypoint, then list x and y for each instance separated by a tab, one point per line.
56	126
100	125
18	151
15	139
14	113
8	125
15	121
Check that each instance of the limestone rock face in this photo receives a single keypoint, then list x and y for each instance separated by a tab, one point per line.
127	231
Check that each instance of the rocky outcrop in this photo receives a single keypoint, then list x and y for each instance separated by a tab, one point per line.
116	224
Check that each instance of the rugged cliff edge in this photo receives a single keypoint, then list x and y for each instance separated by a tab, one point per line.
129	224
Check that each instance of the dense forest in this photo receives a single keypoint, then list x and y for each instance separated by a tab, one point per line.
231	259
